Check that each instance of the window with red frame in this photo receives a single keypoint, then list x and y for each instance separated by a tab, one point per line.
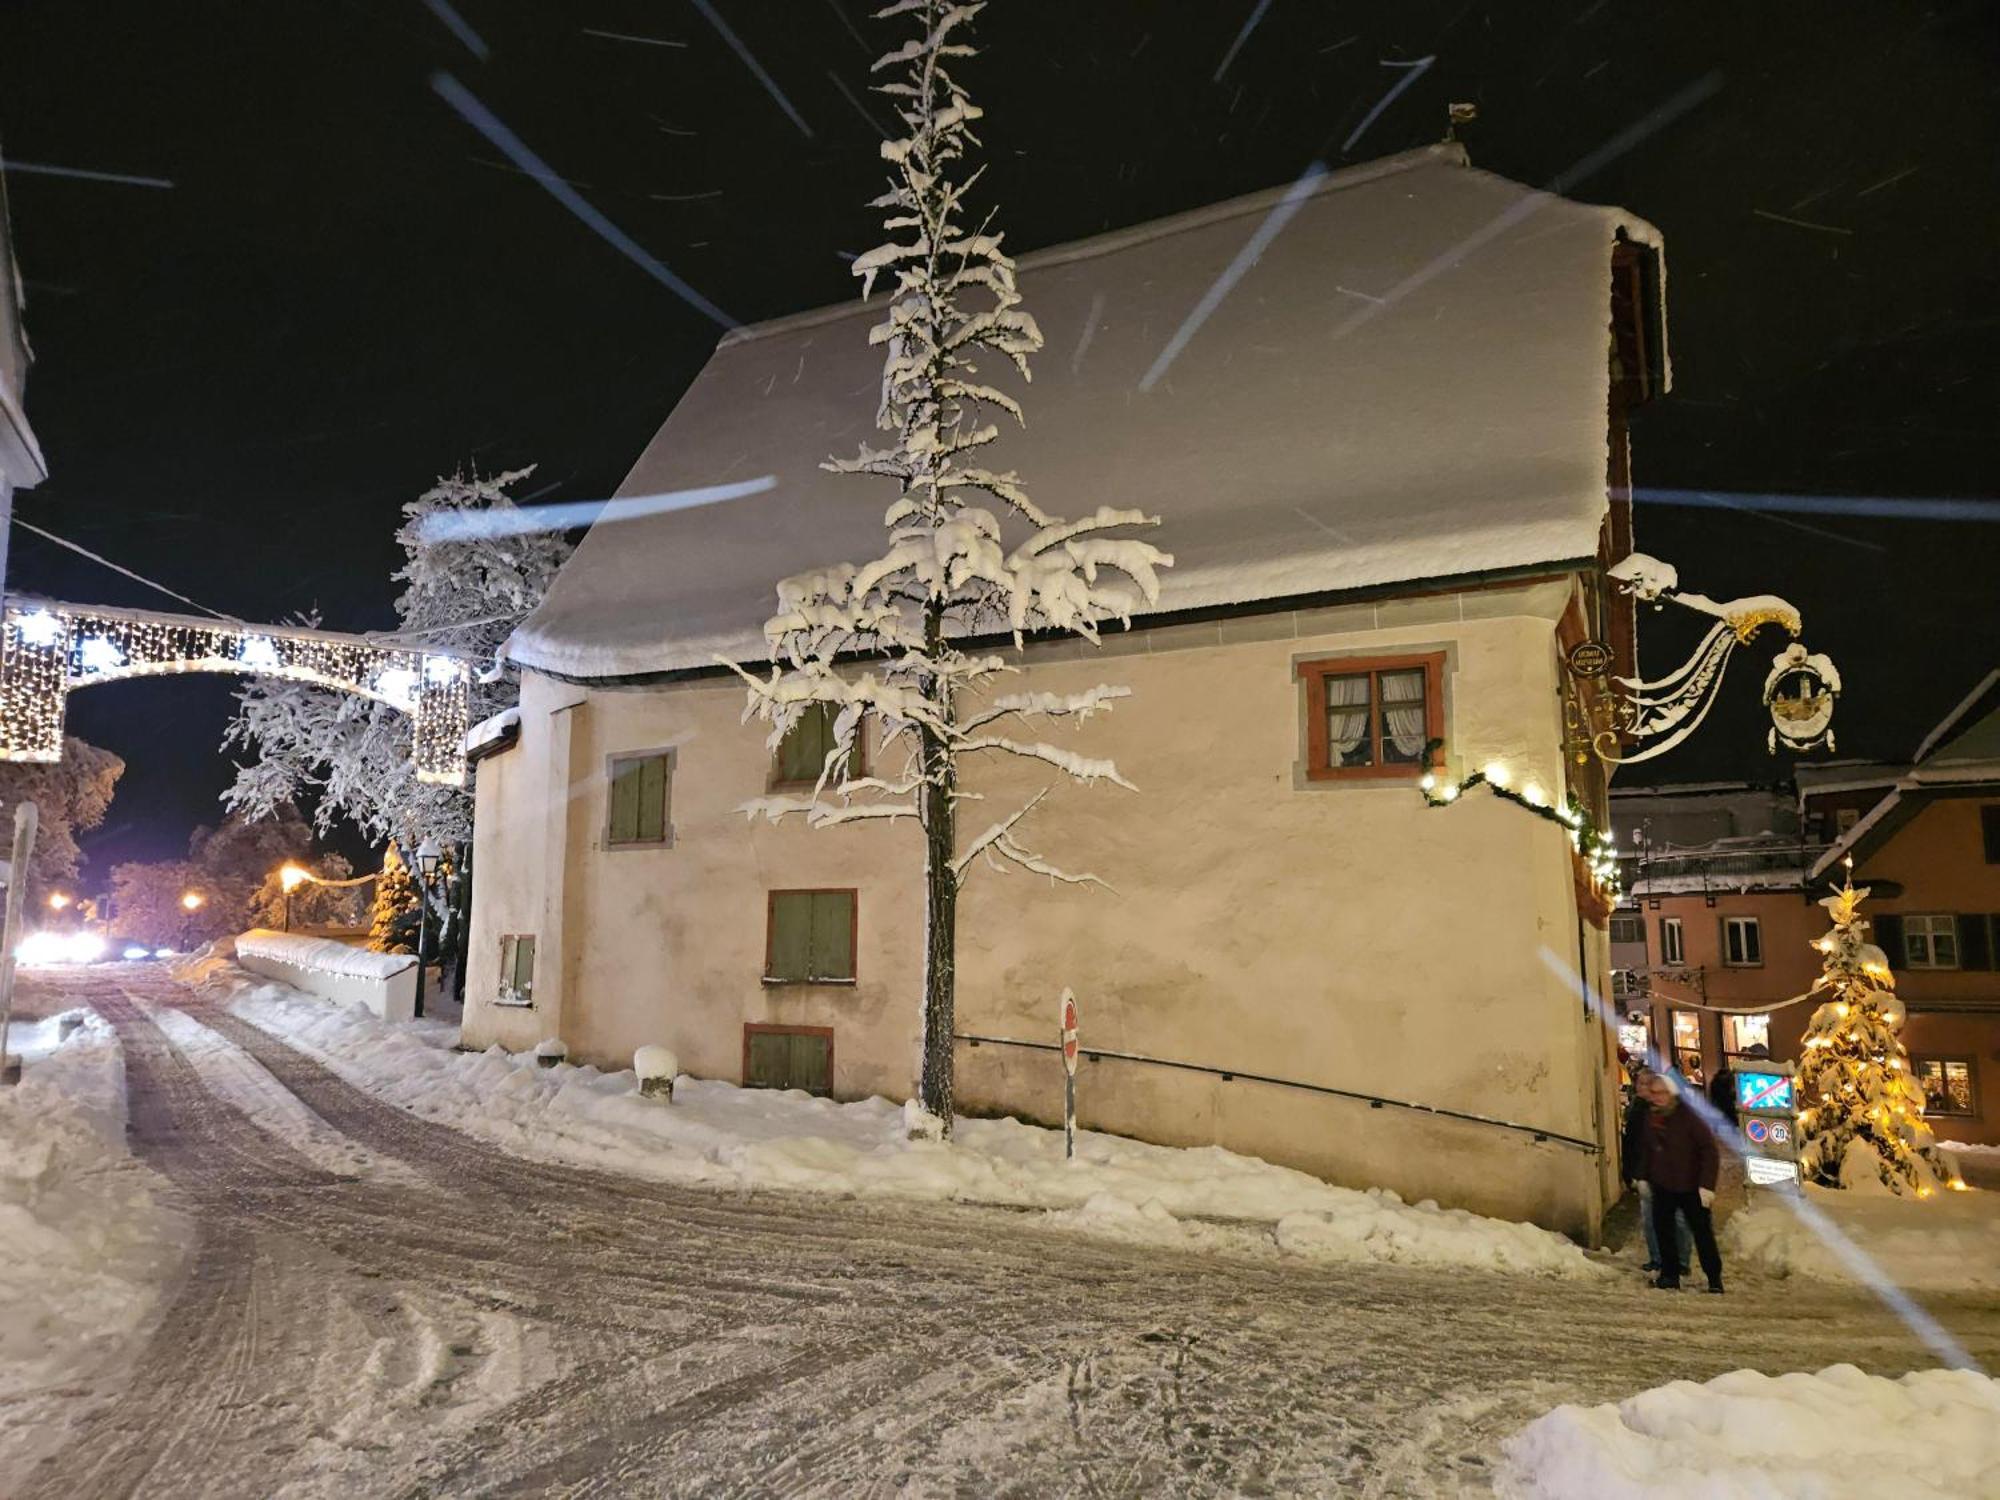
1370	718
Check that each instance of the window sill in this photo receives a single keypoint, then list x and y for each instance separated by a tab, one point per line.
624	845
1364	773
513	1004
774	982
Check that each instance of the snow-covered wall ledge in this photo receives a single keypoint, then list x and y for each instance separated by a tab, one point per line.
384	982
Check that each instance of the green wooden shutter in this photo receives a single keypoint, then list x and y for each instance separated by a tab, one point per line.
833	935
652	814
524	966
1887	928
802	752
1975	944
626	776
810	1065
769	1060
791	935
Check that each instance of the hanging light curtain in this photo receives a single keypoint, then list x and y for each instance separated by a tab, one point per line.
1347	720
1403	716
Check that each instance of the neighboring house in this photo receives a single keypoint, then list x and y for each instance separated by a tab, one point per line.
21	465
1725	885
1391	467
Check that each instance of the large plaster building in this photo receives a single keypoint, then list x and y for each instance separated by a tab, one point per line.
1391	466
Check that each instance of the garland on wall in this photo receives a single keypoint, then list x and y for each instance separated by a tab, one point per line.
1592	842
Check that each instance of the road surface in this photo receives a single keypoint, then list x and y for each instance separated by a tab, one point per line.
376	1305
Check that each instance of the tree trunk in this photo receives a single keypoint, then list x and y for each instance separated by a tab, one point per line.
934	1089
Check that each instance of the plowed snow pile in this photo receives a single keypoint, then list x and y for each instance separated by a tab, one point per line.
1837	1435
85	1243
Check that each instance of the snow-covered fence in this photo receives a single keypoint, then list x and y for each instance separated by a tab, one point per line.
384	982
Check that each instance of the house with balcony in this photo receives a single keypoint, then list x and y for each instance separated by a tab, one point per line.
1391	466
1713	944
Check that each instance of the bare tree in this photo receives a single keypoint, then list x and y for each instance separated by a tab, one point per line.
970	557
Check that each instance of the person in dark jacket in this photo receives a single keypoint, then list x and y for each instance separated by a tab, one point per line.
1632	1167
1722	1092
1681	1166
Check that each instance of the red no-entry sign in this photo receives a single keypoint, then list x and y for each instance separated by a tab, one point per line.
1069	1032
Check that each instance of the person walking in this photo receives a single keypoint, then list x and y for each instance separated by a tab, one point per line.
1681	1166
1632	1167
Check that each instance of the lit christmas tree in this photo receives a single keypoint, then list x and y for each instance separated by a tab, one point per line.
395	918
1854	1081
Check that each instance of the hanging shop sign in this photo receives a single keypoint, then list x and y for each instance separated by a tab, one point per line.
1589	659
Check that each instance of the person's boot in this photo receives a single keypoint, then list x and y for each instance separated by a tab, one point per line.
1715	1289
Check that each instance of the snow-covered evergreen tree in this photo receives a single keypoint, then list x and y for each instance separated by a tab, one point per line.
969	555
393	921
463	594
1854	1083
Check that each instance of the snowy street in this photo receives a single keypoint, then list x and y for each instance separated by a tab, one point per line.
379	1305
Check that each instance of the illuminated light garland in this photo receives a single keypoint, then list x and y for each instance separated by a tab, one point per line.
1592	844
46	652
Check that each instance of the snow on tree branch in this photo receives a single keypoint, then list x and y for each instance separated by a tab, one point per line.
968	554
351	756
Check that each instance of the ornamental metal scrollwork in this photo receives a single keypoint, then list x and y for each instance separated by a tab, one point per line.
1638	719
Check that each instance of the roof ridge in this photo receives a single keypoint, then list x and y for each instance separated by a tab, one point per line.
1943	734
1445	153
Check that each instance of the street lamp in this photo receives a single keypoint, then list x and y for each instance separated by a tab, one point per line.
291	877
429	855
191	902
58	900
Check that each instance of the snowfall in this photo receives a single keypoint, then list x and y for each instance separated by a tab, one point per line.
88	1245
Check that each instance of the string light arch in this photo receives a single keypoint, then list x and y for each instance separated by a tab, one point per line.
49	650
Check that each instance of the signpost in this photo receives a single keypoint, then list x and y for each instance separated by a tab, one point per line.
1069	1074
1764	1108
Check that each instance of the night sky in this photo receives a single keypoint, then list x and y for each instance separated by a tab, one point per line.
345	291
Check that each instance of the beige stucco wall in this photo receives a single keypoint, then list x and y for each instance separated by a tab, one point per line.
1341	934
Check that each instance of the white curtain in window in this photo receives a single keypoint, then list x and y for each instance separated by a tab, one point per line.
1403	711
1346	716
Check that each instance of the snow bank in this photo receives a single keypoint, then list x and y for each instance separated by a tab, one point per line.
384	982
721	1135
322	955
1947	1242
1837	1435
86	1243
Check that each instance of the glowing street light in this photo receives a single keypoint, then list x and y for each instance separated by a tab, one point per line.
58	900
191	902
291	877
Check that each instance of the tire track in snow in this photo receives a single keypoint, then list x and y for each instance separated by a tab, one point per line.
680	1340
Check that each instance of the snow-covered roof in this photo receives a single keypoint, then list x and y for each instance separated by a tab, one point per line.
1410	382
1960	757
